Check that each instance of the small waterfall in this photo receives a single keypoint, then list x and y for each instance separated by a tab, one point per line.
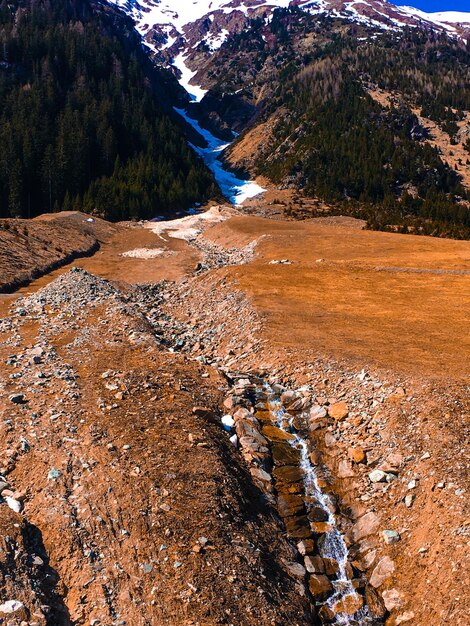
346	604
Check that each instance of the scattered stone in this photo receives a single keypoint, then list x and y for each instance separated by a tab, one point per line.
391	536
54	473
306	547
365	525
338	411
345	469
358	454
314	565
11	606
320	586
295	569
392	599
383	570
409	500
377	476
404	617
14	505
17	398
317	412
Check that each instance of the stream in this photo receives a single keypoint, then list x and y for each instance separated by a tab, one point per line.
308	512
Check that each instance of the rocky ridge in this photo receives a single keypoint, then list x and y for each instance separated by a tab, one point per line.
172	29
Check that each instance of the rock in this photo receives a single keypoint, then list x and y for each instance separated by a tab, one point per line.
368	559
338	411
391	536
11	606
306	547
54	473
392	599
377	476
409	500
288	474
404	617
298	527
316	513
234	441
295	569
289	505
317	412
314	565
348	605
3	485
345	470
285	454
314	457
260	475
231	402
277	434
331	566
14	505
320	586
365	525
358	454
204	411
374	603
17	398
383	570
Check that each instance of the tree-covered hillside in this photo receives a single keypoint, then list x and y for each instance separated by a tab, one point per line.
311	79
85	119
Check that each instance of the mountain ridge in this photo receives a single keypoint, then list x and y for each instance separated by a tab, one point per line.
173	28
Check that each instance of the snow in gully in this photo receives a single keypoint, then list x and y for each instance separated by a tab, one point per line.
237	190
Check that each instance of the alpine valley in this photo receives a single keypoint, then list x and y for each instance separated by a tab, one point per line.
234	313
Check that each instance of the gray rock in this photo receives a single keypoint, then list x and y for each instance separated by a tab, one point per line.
391	536
377	476
17	398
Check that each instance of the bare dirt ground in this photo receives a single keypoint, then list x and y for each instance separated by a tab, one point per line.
374	320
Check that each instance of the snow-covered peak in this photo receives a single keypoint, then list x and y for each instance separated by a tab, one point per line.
163	23
175	29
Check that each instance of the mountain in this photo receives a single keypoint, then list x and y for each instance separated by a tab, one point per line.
86	120
176	27
361	105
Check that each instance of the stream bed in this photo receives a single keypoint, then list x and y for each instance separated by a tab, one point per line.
273	428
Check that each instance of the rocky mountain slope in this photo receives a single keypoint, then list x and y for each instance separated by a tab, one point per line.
176	27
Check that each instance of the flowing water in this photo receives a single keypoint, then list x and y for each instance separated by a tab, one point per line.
332	545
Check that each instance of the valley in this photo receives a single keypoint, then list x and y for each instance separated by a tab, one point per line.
369	376
234	312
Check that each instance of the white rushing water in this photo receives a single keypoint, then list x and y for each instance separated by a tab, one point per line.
237	190
332	545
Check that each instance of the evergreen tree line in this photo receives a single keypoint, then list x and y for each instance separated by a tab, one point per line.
85	120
